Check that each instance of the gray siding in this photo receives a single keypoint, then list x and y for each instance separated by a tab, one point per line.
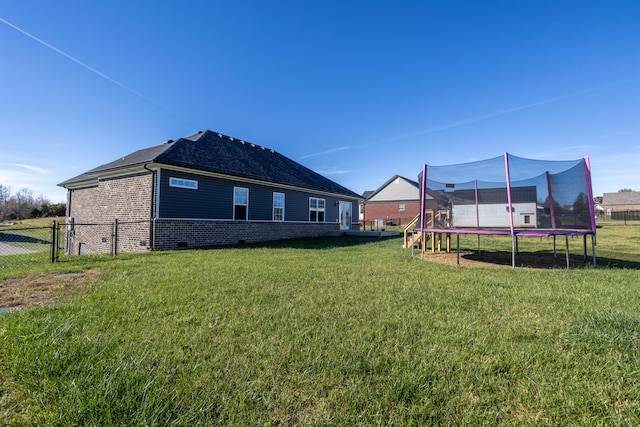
214	200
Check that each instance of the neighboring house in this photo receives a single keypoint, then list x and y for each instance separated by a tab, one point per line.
621	202
489	207
203	190
396	202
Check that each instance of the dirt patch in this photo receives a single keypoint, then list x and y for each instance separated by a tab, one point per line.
19	292
503	259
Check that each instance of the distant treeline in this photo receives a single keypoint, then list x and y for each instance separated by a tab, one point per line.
24	205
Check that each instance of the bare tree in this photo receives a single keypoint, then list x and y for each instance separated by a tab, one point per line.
24	201
24	205
5	194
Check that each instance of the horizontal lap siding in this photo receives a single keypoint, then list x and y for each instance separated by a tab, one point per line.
214	200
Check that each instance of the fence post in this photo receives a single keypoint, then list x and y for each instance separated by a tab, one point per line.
54	229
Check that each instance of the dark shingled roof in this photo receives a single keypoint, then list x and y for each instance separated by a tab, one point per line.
214	152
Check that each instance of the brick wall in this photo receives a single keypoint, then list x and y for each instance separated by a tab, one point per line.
174	234
382	211
94	209
129	200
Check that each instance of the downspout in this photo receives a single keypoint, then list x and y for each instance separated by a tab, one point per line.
152	213
69	193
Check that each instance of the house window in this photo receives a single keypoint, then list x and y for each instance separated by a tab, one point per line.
240	203
316	209
527	219
278	206
183	183
400	206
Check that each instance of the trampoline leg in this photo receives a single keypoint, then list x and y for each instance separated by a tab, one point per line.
458	243
566	238
554	246
413	239
593	249
585	248
513	251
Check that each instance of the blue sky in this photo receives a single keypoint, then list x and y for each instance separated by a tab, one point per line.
356	90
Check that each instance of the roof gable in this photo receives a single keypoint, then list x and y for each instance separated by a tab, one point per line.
397	188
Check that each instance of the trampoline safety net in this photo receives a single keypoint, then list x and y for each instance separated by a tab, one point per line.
508	194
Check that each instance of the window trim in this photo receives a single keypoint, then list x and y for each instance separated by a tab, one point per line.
317	209
235	203
274	206
189	184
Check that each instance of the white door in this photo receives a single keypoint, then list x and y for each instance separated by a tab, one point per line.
345	215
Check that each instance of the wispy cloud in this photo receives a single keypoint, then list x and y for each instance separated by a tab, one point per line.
332	171
452	125
77	61
17	176
34	169
498	113
91	69
37	179
322	153
470	120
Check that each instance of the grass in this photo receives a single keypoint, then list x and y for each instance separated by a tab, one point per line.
341	331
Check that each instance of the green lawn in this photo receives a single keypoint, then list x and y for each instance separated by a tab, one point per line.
340	331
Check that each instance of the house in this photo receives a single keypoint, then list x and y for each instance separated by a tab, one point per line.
202	190
489	207
615	204
396	202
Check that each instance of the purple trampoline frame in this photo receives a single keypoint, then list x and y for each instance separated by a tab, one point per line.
512	230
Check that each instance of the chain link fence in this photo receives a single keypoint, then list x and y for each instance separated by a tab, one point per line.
107	238
22	244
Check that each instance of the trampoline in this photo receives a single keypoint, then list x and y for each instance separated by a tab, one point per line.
509	195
